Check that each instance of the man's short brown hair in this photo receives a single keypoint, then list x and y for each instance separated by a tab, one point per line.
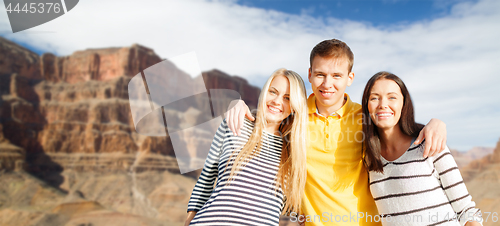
333	48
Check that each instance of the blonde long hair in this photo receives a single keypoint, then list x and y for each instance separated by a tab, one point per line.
291	176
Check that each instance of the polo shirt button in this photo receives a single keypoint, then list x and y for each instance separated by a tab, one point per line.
327	136
327	123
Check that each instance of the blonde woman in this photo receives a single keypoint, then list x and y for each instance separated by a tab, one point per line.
258	169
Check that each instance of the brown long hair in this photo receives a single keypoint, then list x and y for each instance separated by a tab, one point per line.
406	122
291	176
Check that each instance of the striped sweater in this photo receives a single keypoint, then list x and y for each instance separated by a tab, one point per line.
414	190
250	199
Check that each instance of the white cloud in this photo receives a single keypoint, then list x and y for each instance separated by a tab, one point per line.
450	64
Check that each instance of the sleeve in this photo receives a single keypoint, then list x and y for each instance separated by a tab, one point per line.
454	187
204	187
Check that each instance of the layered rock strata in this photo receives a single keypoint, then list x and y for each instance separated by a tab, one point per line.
69	151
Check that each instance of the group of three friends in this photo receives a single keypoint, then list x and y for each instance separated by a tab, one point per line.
325	159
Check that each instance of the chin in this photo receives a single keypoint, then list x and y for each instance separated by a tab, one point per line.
273	120
384	126
329	101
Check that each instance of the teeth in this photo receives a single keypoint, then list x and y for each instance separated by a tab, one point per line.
384	114
273	109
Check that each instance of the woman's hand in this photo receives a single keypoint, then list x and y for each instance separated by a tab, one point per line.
236	115
435	135
190	217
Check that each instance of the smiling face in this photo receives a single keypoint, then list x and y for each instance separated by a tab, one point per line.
329	78
278	100
385	103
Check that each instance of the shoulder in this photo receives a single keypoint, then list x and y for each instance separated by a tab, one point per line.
356	109
443	155
353	107
247	128
248	124
224	125
417	147
311	104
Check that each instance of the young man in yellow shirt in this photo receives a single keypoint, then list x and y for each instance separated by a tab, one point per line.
337	190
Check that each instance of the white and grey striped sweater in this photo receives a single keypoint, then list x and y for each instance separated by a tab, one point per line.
414	190
250	199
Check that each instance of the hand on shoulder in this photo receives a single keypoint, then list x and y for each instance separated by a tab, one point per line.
236	114
434	134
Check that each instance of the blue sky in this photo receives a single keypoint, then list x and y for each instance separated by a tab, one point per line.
378	13
446	51
375	12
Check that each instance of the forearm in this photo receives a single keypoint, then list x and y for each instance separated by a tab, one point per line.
190	217
455	189
236	114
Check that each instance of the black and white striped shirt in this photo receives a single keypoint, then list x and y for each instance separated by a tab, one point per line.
250	199
414	190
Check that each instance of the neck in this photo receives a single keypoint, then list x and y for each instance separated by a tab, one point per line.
393	142
328	110
272	127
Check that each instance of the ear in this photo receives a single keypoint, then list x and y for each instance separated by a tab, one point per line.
350	78
309	75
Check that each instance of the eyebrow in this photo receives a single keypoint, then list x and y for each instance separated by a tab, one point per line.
271	87
322	72
387	93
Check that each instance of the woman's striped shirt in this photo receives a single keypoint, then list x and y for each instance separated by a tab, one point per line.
250	199
414	190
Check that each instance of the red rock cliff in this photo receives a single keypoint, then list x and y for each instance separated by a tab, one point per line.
16	59
78	104
97	64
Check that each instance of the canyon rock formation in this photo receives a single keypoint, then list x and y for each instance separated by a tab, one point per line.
69	151
482	178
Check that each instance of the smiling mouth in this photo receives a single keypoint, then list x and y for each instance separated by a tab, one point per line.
326	93
384	115
273	109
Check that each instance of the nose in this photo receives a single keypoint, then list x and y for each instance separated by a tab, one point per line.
382	103
276	101
327	82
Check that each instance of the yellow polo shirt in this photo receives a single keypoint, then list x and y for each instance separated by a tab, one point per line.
337	191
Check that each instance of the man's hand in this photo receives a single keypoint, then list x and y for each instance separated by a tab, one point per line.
236	116
435	135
